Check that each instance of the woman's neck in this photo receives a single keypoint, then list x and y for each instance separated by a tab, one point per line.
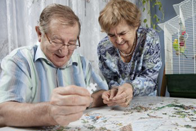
126	59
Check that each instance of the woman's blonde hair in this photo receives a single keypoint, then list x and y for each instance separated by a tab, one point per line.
117	10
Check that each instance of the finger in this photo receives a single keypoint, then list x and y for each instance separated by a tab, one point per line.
120	95
105	95
120	101
71	100
107	102
120	91
66	110
124	99
64	120
126	103
72	89
113	93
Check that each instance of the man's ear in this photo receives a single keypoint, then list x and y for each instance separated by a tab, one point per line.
39	34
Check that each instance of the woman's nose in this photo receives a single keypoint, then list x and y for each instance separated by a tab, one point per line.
118	39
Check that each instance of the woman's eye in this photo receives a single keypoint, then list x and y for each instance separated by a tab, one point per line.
111	35
121	34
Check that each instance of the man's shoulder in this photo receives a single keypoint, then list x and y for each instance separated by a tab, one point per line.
25	52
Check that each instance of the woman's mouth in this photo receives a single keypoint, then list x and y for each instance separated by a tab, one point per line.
122	43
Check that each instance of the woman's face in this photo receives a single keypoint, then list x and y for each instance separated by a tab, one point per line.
122	36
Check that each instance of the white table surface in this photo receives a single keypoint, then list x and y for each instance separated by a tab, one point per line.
143	114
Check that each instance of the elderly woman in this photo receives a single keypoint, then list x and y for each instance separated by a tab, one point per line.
129	56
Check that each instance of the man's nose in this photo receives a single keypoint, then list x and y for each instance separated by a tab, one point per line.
64	45
64	48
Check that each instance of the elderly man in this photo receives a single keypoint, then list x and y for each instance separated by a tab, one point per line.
47	84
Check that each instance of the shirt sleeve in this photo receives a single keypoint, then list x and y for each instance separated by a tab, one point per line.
92	77
145	81
14	80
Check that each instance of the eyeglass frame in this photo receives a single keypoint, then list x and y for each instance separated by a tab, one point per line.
50	41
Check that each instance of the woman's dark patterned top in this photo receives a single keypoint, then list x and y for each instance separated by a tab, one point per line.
143	69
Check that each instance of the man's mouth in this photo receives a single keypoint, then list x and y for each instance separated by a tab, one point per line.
59	56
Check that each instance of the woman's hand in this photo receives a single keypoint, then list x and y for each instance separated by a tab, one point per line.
124	95
107	96
121	95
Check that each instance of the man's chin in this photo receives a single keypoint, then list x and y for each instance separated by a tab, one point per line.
60	65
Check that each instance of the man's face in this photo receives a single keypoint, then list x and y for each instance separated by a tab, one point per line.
55	41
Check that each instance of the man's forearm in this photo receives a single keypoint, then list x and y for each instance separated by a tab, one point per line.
25	114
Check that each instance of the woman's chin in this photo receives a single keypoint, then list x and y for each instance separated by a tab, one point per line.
122	47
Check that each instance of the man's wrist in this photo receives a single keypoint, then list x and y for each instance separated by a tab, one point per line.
91	104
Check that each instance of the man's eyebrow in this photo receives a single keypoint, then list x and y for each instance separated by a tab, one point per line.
55	37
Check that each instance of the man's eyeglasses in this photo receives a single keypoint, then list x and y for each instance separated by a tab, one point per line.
59	45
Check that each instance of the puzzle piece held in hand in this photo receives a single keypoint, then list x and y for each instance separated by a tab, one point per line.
91	88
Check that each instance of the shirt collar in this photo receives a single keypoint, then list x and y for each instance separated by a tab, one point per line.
40	55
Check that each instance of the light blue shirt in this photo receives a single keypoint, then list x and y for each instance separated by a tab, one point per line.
28	76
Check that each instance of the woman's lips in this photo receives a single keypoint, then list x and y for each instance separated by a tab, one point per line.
122	43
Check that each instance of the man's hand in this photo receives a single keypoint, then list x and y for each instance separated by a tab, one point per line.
68	104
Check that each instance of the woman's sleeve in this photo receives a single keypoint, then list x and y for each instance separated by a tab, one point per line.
107	67
145	81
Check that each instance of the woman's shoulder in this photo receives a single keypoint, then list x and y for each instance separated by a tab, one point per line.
105	42
149	32
105	46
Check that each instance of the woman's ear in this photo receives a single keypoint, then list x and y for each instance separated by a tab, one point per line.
39	34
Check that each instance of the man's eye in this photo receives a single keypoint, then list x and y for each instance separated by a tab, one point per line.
72	43
57	42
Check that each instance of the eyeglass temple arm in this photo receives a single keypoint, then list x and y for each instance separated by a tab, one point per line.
79	41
